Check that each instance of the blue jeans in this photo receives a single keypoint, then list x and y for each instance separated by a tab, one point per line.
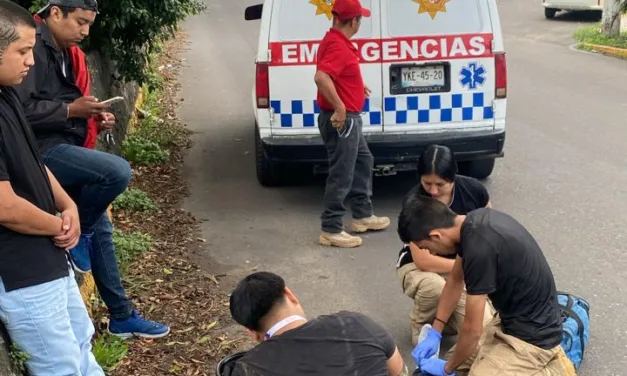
49	322
94	179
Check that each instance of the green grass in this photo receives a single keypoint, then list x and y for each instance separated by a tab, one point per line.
134	200
153	126
592	34
18	358
128	246
139	149
109	351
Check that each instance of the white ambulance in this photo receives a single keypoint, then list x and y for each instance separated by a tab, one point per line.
436	69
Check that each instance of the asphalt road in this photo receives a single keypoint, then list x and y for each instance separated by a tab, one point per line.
563	177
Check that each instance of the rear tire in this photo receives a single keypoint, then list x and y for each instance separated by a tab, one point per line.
478	169
268	172
549	13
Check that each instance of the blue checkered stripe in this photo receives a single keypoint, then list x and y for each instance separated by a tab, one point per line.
299	113
437	108
434	108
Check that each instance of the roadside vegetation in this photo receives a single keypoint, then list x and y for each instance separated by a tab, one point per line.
588	35
156	243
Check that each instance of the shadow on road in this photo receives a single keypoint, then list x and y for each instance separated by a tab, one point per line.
579	16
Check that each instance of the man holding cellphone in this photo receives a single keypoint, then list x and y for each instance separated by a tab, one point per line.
66	121
40	303
341	97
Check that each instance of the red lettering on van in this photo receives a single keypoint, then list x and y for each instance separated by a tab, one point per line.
391	50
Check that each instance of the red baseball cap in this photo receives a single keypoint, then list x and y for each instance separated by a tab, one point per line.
347	9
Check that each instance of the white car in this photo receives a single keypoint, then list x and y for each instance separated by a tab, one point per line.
436	69
551	7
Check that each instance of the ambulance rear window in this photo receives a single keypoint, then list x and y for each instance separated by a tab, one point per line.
301	20
433	17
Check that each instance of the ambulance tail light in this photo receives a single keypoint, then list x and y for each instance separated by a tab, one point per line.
262	85
501	75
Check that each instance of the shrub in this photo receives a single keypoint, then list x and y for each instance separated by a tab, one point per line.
18	358
129	246
109	350
129	31
140	150
134	200
153	127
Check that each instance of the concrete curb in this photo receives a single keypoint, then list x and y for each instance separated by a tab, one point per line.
87	285
620	53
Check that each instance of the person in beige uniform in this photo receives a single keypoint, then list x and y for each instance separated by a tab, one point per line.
496	259
421	273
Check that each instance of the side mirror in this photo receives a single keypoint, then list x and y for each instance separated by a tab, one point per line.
253	12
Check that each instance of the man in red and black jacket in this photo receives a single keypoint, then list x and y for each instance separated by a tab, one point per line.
66	121
341	98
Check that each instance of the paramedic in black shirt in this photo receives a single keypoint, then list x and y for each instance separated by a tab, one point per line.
40	303
421	273
496	258
341	344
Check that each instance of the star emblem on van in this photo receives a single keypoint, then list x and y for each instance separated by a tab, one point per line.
431	6
324	7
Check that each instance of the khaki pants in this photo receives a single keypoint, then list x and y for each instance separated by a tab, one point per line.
497	353
425	289
502	354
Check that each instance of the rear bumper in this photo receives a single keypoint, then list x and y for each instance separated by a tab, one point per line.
390	149
583	7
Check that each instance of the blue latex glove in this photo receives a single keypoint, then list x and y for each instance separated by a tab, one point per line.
434	367
428	347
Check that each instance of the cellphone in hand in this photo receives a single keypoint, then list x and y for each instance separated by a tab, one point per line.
113	100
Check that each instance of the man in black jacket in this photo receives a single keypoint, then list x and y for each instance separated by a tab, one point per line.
40	303
66	121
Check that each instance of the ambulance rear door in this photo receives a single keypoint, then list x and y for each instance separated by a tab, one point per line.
438	66
297	26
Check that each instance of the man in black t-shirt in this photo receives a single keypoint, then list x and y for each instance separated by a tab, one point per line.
423	274
40	303
497	258
341	344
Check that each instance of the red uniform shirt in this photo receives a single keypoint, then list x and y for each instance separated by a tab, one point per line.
338	58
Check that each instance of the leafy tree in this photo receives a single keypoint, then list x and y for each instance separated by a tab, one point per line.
129	31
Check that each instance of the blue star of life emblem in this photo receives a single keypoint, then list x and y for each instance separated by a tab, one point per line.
472	76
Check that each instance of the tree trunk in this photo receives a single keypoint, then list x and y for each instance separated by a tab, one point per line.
610	25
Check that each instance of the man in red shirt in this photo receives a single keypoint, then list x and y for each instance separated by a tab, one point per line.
341	97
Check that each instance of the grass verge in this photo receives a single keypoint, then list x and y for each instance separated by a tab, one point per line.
129	246
134	200
592	35
18	358
109	351
156	241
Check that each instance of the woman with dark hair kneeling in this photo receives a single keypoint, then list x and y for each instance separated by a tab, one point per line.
422	273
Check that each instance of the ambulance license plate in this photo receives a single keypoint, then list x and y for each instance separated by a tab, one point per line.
422	76
412	78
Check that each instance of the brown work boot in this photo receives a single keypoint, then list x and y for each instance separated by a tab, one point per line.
370	223
342	240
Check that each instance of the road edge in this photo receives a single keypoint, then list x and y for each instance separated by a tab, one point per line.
620	53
